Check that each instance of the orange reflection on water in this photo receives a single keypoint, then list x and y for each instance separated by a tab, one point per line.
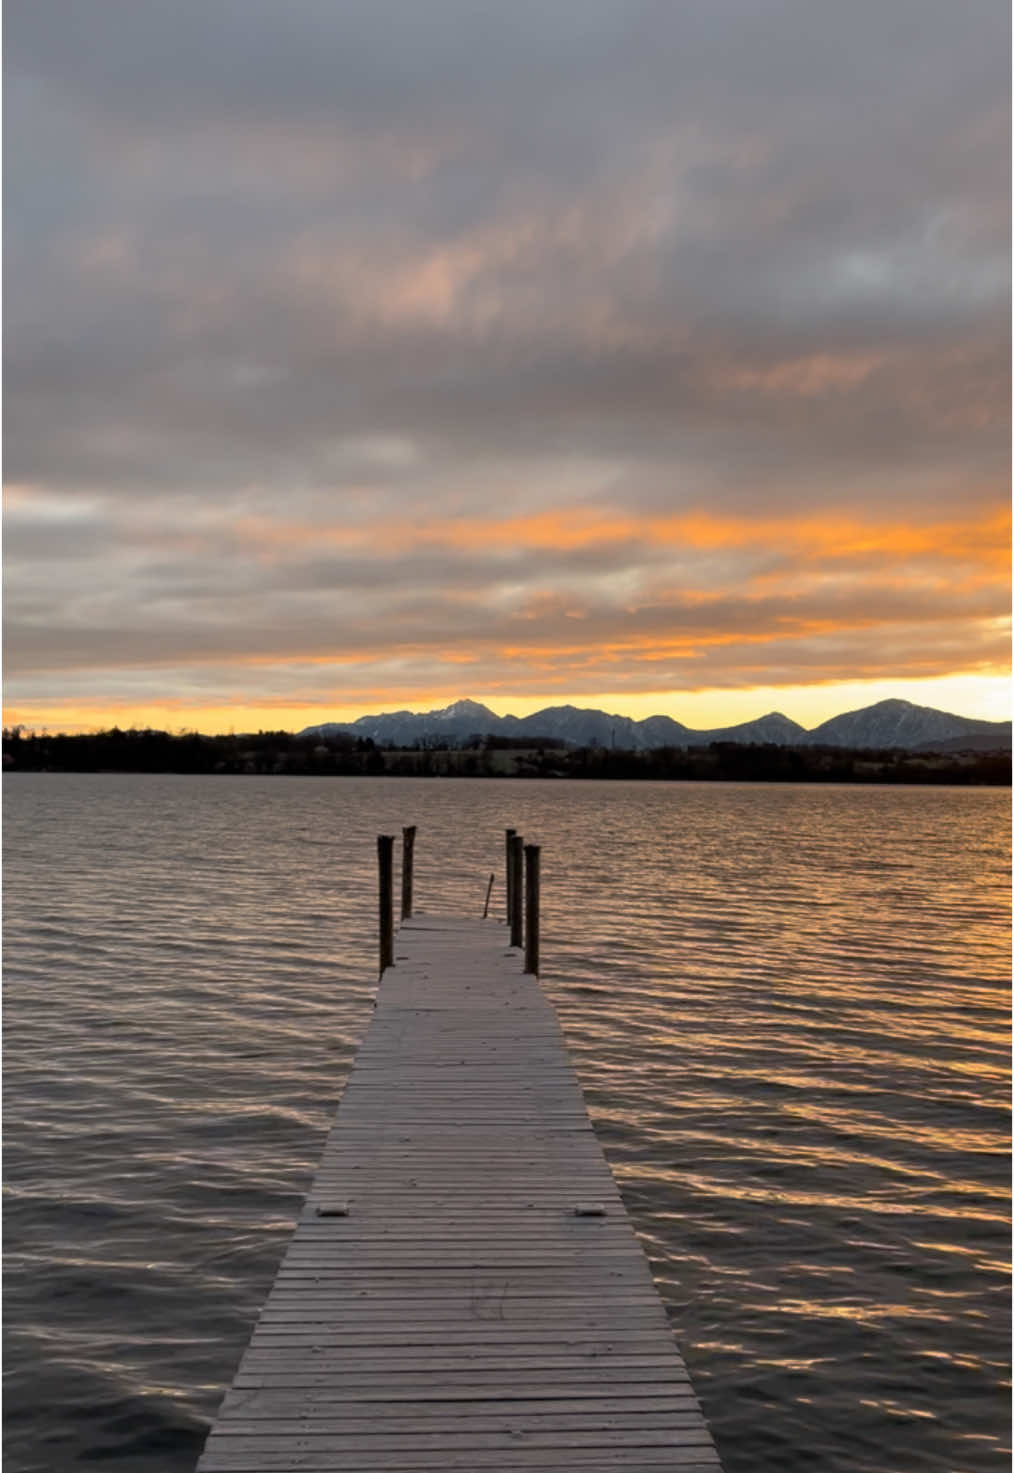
895	1409
728	1189
852	1310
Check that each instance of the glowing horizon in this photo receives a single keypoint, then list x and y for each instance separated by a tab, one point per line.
979	697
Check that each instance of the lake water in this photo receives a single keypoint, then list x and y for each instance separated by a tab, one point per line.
788	1007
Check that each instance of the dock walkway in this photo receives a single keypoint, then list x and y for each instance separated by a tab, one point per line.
464	1290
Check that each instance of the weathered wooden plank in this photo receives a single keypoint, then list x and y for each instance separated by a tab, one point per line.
355	1340
297	1439
687	1460
362	1436
359	1333
311	1257
471	1298
489	1388
442	1425
550	1327
502	1460
388	1319
486	1279
519	1357
414	1319
450	1310
311	1403
474	1371
476	1332
418	1211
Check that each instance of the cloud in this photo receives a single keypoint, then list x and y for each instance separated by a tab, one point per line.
371	333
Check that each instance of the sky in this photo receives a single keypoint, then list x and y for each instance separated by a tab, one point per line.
643	354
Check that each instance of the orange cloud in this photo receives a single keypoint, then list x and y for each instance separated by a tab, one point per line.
985	540
823	533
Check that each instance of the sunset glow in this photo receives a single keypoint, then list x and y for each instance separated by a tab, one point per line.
523	367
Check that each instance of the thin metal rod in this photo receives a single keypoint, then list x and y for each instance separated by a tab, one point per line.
385	864
532	853
489	891
407	852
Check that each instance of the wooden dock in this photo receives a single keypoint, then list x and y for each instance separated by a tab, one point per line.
464	1290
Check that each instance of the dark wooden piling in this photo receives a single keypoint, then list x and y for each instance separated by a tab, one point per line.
517	888
407	853
532	854
385	861
507	870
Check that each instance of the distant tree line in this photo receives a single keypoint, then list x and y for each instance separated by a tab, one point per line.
342	754
187	751
767	762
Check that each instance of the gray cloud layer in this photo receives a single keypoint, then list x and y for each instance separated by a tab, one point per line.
341	265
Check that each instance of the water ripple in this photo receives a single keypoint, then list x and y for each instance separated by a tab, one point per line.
788	1006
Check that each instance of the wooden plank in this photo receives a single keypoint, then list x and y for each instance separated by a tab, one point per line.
473	1298
415	1323
309	1403
356	1340
444	1426
296	1435
345	1273
489	1316
520	1356
491	1389
441	1320
473	1371
451	1311
360	1342
502	1460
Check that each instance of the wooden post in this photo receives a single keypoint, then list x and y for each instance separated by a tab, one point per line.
489	891
532	908
407	851
385	860
507	886
517	861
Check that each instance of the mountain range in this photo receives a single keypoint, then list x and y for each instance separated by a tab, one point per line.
890	723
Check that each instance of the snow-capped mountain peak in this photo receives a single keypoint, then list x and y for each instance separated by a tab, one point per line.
465	710
889	723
